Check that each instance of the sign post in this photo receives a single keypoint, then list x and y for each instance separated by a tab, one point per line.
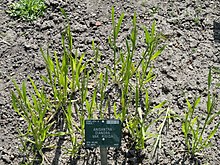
103	152
103	134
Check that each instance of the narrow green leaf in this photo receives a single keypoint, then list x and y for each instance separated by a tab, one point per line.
184	129
113	17
196	103
147	36
35	87
209	79
140	114
193	122
153	29
157	53
211	119
24	94
119	24
213	132
63	12
160	105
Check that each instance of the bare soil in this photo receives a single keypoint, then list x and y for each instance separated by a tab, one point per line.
193	29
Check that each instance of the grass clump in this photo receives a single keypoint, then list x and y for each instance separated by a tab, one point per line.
34	110
70	97
131	77
196	136
27	9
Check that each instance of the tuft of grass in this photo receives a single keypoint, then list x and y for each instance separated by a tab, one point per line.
196	20
34	109
194	128
27	9
125	68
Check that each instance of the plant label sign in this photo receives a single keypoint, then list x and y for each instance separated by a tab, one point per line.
103	133
217	31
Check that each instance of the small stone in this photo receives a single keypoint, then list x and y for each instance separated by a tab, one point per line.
47	24
30	46
165	89
190	67
79	28
173	77
12	157
164	70
131	153
98	23
173	20
6	158
39	64
133	160
4	116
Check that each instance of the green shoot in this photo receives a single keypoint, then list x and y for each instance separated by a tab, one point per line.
192	127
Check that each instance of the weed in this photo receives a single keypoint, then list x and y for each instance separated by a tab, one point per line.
27	9
196	20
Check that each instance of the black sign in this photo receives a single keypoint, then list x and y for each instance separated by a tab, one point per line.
103	133
216	31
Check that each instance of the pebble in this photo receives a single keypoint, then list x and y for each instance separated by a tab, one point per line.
6	158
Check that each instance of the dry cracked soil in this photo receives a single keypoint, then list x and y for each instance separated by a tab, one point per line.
193	45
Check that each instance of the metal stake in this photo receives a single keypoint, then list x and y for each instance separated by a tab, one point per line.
103	152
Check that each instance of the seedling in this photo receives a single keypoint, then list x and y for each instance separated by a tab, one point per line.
34	111
194	128
196	21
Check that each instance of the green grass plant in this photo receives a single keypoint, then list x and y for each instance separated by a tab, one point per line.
139	126
71	131
33	110
113	45
126	68
166	121
27	9
193	126
69	96
43	112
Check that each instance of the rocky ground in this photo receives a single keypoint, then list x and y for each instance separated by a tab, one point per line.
193	30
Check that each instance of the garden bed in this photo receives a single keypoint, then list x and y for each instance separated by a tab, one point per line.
190	33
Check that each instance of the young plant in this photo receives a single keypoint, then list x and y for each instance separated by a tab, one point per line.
194	129
126	68
113	45
27	9
34	111
42	110
64	77
103	83
71	129
166	120
136	124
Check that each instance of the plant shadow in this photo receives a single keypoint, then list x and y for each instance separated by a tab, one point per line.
90	158
60	126
187	160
